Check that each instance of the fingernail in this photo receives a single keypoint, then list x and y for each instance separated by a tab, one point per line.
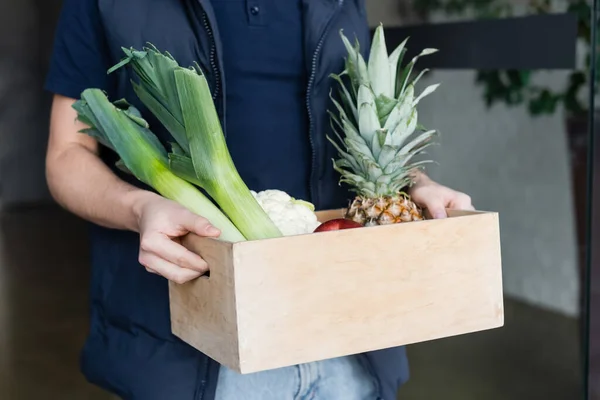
439	215
212	230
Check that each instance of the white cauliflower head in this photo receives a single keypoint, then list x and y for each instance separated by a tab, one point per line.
291	216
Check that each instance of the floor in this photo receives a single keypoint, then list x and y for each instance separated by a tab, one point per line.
43	305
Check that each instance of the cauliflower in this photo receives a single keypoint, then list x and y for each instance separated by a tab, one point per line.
291	216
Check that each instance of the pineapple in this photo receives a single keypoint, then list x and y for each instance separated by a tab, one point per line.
378	118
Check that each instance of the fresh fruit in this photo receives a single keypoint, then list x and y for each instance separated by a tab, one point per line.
337	224
378	117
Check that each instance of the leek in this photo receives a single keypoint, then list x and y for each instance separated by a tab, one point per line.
120	127
181	100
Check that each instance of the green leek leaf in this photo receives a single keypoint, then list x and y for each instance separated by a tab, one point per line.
119	126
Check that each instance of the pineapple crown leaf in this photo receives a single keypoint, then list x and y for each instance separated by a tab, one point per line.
337	105
349	158
428	90
346	97
387	155
333	120
422	140
385	105
375	118
378	69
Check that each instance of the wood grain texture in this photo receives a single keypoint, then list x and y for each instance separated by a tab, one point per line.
203	311
292	300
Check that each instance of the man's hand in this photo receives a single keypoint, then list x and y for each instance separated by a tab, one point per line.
436	198
161	225
80	181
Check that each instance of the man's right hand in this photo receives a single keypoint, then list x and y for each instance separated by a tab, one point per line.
161	224
80	182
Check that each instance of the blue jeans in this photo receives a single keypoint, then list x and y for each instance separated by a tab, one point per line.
344	378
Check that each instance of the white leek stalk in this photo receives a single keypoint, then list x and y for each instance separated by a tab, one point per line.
120	127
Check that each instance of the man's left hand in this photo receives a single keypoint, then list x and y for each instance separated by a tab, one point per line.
436	198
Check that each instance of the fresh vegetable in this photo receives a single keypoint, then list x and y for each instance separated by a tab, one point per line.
120	127
292	217
337	224
378	117
181	100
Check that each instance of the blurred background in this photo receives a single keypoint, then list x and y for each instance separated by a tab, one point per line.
514	113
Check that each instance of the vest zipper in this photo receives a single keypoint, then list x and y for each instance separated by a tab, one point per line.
213	52
201	387
314	196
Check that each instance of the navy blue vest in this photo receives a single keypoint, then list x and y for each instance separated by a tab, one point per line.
130	349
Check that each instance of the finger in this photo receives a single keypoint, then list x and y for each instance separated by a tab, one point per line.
167	269
436	208
462	202
200	226
175	253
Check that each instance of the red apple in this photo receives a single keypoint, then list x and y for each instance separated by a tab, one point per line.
337	224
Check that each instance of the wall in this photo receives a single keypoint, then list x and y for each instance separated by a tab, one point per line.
25	40
510	163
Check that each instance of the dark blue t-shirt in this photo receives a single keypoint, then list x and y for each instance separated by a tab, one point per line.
80	56
265	75
266	92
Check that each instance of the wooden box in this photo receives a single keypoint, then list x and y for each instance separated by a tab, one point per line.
285	301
